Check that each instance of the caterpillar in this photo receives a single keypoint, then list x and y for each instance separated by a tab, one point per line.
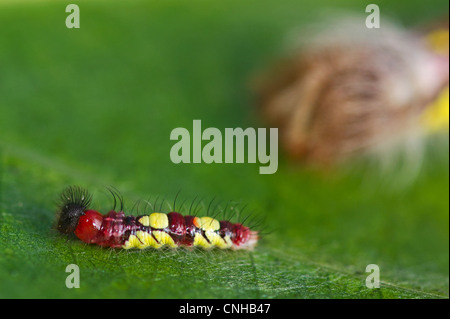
116	230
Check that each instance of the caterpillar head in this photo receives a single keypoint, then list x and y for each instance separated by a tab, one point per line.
75	202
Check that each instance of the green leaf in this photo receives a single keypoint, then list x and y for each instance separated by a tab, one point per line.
95	107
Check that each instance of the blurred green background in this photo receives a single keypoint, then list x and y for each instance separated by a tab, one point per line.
95	106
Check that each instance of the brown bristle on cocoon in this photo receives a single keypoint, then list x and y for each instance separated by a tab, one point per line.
351	90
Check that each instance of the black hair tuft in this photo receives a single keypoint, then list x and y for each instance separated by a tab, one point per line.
74	201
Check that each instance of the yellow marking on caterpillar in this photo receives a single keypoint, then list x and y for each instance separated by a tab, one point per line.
218	241
214	240
159	220
201	241
164	238
208	223
228	241
131	242
146	240
144	220
143	240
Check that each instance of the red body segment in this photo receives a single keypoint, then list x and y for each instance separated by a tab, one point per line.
240	234
89	226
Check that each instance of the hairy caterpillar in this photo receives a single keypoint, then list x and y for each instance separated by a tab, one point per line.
116	230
